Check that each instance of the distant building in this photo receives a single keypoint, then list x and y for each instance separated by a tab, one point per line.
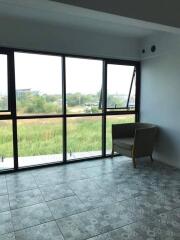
21	92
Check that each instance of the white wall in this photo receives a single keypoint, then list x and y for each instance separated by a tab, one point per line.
160	95
27	34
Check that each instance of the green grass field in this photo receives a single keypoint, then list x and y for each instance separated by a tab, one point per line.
44	136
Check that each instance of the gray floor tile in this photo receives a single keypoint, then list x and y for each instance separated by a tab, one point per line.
115	215
170	224
71	175
2	178
82	226
5	223
121	192
3	187
96	198
46	231
19	183
148	205
170	195
26	198
82	165
83	185
43	172
50	179
4	203
141	230
90	193
111	179
31	216
18	176
56	192
66	206
59	177
8	236
99	170
118	234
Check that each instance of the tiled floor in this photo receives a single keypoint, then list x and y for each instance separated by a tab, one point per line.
95	200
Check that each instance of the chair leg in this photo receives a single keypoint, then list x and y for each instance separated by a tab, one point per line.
134	162
112	154
152	160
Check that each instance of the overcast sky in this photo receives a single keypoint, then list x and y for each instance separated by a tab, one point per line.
43	73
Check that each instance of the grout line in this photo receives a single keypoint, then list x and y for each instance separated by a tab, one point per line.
47	221
30	205
60	230
9	206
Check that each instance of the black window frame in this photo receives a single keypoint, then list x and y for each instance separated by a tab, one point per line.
14	117
8	110
128	99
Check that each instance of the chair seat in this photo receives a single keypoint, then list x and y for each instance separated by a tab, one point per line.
126	143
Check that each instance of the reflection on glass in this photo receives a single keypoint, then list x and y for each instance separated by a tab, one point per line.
83	85
115	120
6	145
38	84
3	83
120	88
39	141
84	137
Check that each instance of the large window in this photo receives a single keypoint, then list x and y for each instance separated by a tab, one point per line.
58	108
83	85
121	81
6	145
39	141
3	84
38	84
84	137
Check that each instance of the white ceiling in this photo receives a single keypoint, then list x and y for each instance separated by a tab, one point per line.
63	14
164	12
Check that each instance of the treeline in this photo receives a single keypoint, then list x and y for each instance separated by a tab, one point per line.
43	103
3	103
36	103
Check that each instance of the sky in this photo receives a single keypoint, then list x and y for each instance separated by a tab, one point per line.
43	73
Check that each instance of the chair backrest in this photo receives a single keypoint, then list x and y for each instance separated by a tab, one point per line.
145	125
124	130
145	136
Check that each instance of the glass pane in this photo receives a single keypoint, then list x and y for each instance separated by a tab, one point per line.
6	145
3	83
39	141
133	94
115	120
119	79
83	85
84	137
38	84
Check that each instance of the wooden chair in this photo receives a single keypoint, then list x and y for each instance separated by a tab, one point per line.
133	140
